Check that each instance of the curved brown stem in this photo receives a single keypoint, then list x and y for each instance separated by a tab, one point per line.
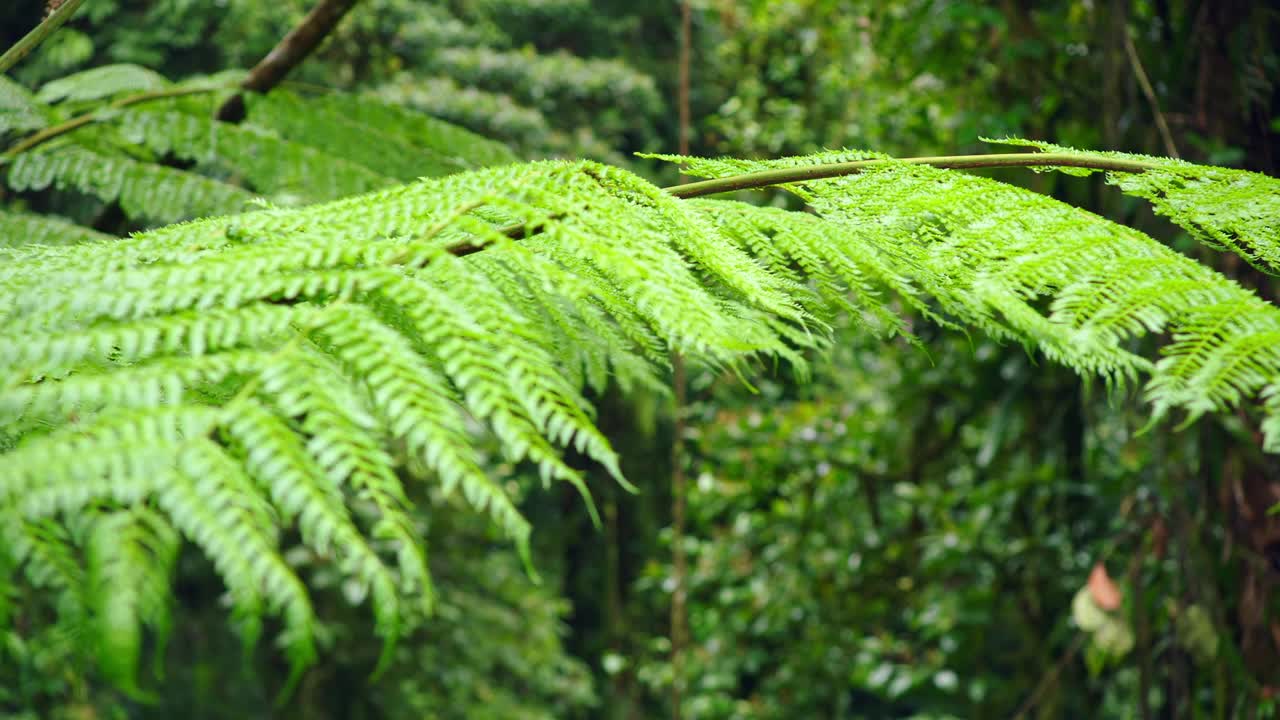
292	49
783	176
679	383
29	41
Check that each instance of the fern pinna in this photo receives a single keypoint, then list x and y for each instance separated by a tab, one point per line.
287	374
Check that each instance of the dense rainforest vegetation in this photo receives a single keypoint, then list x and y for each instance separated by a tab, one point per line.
695	358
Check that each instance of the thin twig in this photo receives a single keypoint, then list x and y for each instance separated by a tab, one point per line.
766	178
29	41
1050	678
1145	83
1142	624
679	484
682	99
783	176
292	49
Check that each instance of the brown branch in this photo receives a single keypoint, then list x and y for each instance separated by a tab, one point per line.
287	54
51	22
679	483
1145	83
804	173
1050	678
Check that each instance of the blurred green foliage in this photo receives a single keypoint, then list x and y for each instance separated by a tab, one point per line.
902	535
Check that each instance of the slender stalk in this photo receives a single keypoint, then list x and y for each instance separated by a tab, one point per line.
292	49
679	383
1145	83
29	41
783	176
682	91
81	120
1050	678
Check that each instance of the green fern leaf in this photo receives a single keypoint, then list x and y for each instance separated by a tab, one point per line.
1227	209
45	551
18	229
101	82
343	437
300	489
215	503
993	255
143	342
297	368
270	165
131	555
19	111
392	140
143	190
459	145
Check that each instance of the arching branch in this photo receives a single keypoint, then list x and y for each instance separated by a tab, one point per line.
804	173
783	176
29	41
287	54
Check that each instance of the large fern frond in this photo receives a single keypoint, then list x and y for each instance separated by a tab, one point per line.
1066	282
144	190
101	82
19	111
21	228
244	375
270	165
254	370
1225	208
391	136
292	150
130	555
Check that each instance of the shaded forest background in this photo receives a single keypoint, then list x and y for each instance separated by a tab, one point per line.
903	534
